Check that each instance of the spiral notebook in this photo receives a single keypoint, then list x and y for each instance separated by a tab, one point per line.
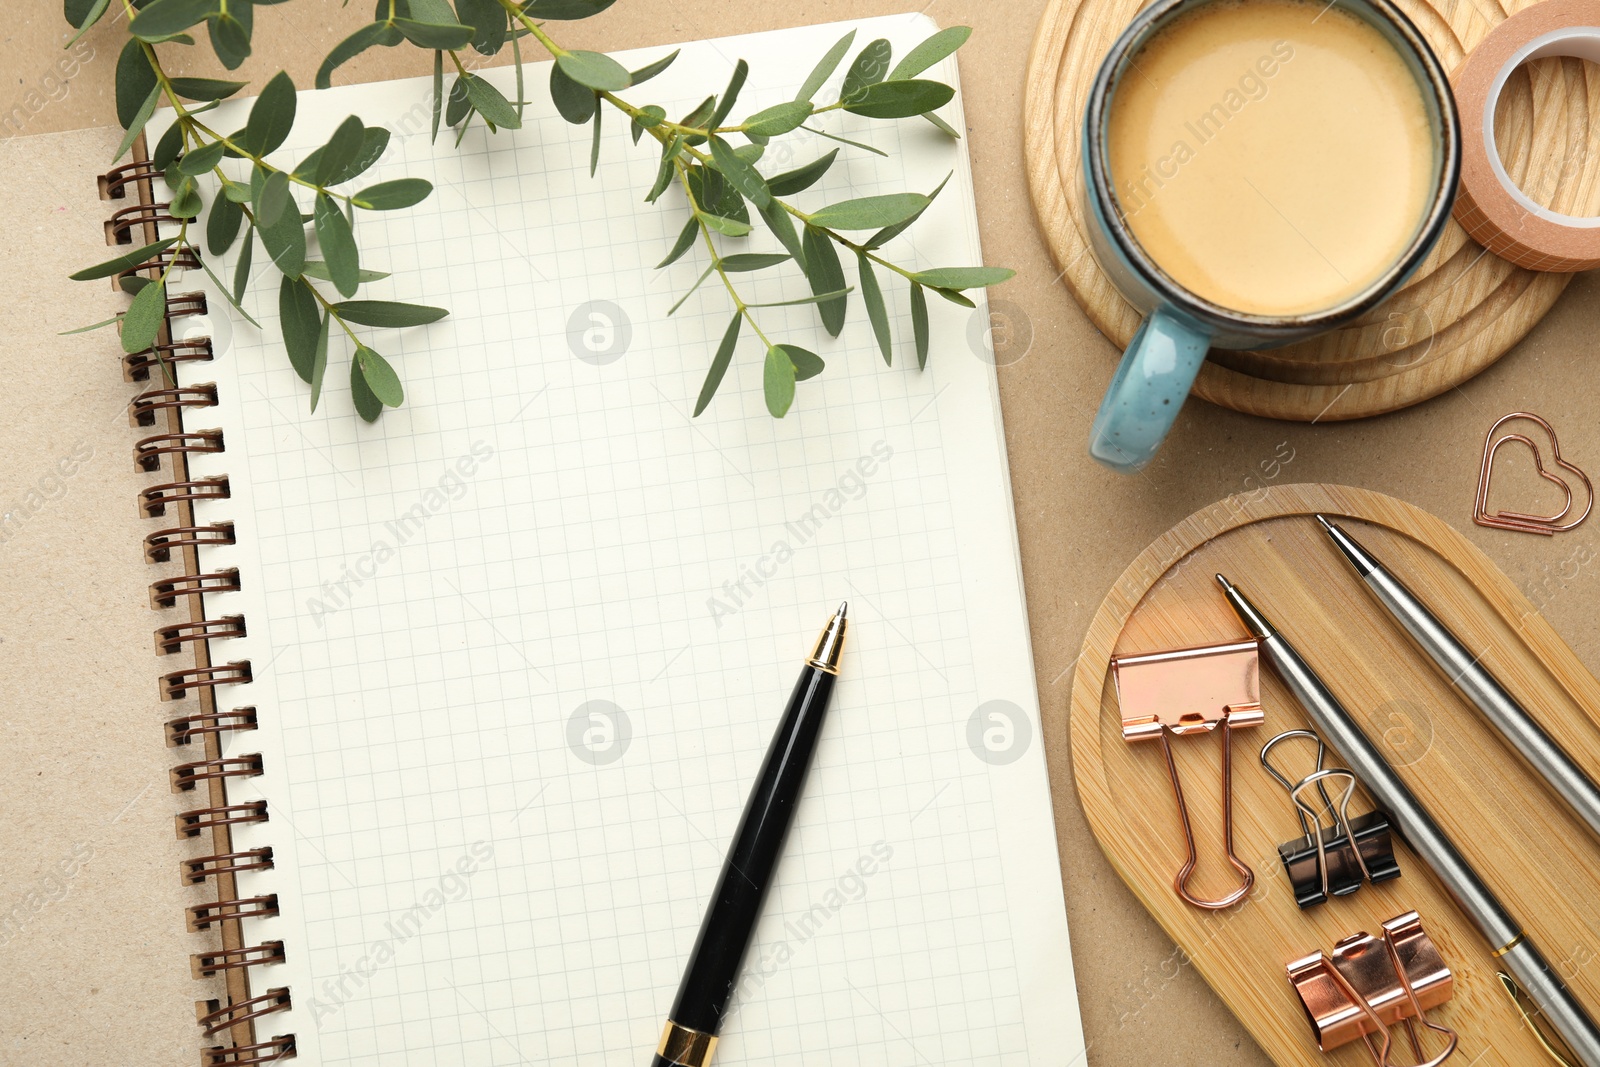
478	690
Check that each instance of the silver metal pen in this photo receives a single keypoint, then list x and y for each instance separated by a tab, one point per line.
1467	674
1426	838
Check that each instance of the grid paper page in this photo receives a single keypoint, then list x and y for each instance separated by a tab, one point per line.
519	647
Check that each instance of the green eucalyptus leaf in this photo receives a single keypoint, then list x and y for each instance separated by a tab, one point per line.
131	284
942	125
869	68
390	195
431	35
955	297
168	147
575	103
230	34
962	277
374	33
685	239
222	225
271	116
491	103
889	233
741	70
930	51
316	268
146	109
825	67
273	200
198	161
673	310
596	70
899	99
845	140
126	261
565	10
134	80
278	221
793	181
877	313
870	212
777	382
340	152
338	245
814	298
380	377
438	92
651	115
782	226
144	318
807	364
725	226
458	107
740	262
300	318
163	18
650	70
368	406
388	313
826	275
741	174
488	21
779	118
241	270
594	143
719	363
205	88
102	324
186	202
238	192
319	361
665	171
82	14
919	323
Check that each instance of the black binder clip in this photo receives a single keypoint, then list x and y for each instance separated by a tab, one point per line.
1322	862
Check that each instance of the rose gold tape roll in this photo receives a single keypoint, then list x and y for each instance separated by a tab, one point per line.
1491	208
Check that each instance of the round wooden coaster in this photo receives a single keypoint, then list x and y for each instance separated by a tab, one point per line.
1462	310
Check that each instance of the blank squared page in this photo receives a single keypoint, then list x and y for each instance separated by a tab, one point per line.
519	647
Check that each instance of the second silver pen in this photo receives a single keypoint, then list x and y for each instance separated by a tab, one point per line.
1457	663
1425	836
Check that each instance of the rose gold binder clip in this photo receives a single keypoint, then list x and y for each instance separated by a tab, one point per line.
1517	520
1193	691
1368	984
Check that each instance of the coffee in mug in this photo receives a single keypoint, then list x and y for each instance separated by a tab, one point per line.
1272	156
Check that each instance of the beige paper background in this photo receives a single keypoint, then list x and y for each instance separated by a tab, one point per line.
100	975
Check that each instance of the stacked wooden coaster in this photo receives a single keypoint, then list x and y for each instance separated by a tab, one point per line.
1462	310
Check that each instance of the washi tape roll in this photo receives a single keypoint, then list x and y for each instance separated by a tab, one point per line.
1491	208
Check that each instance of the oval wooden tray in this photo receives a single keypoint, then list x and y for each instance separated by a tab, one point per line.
1460	313
1536	856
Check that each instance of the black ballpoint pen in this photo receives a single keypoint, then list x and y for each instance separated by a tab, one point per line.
690	1036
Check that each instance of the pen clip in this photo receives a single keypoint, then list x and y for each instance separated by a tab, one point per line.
1553	1044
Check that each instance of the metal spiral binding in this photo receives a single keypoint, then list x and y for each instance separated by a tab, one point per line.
162	406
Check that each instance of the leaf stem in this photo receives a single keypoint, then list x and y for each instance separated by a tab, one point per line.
716	259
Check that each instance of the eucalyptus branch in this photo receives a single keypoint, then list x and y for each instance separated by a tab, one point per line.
724	187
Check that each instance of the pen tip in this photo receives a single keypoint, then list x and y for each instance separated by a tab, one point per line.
1326	525
843	604
1222	581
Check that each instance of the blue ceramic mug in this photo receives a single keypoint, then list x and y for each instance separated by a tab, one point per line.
1179	327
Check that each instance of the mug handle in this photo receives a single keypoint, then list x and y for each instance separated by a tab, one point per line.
1150	385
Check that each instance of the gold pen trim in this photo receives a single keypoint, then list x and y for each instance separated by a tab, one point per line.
829	648
1509	945
686	1047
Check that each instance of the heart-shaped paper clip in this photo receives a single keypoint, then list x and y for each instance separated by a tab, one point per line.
1521	521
